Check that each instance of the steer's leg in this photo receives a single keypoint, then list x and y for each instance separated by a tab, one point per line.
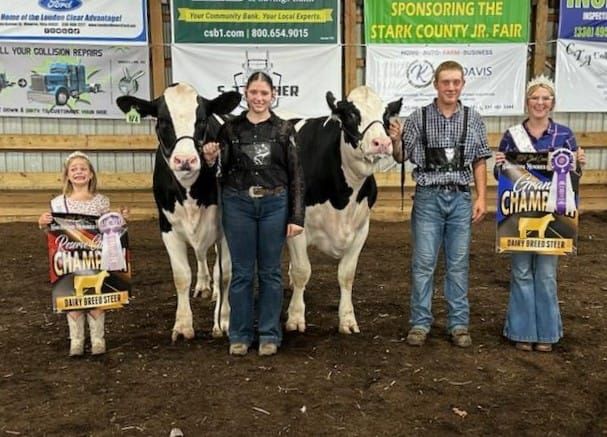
182	276
203	278
299	274
345	276
221	319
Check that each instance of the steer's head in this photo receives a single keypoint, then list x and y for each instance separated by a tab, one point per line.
364	120
183	119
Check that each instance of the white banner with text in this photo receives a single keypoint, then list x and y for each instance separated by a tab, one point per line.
302	75
407	71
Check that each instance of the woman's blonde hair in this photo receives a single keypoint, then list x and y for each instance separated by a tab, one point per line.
68	188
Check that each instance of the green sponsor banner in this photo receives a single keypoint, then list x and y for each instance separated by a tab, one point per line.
256	21
442	21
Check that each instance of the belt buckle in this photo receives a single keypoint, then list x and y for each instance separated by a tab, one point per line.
256	191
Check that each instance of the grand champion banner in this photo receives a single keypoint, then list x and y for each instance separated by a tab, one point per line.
75	248
70	81
527	218
74	21
396	71
255	22
446	21
581	57
301	74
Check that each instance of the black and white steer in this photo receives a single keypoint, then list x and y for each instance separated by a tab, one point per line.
186	193
338	156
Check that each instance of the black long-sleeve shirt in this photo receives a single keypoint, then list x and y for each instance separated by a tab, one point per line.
243	169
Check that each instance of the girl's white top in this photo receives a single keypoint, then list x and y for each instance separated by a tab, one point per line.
96	206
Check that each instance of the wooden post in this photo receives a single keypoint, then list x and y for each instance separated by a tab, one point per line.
541	37
350	46
157	47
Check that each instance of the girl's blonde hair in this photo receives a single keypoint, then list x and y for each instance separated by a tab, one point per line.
68	188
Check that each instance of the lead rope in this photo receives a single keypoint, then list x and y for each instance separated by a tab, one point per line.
218	176
402	178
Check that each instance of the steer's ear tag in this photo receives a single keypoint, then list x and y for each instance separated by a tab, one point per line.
133	116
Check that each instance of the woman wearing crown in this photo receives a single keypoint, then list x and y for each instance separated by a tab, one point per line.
533	320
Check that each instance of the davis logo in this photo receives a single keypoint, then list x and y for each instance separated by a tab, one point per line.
60	5
420	74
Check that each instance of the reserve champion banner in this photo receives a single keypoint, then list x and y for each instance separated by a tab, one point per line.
75	247
301	74
525	220
256	22
444	21
407	71
583	20
70	81
74	21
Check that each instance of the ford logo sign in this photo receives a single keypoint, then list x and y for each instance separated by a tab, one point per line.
60	5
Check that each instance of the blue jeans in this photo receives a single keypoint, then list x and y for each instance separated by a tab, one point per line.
255	229
440	218
533	310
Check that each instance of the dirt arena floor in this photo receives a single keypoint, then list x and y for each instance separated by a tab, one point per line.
321	383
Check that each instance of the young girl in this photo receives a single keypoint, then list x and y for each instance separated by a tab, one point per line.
80	197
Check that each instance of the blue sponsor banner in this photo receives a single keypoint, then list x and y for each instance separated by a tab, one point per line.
74	21
583	20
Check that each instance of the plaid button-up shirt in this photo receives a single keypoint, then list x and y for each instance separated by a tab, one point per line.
445	132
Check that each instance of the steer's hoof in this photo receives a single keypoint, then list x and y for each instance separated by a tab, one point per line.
187	333
205	293
349	328
217	332
296	325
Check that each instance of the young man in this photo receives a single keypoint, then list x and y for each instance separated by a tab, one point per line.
448	144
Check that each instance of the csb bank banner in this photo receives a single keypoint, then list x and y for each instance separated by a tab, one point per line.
301	76
581	56
217	45
407	40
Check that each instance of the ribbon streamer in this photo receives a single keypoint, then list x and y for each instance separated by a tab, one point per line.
561	198
111	225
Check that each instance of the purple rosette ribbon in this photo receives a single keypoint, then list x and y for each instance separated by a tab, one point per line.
111	226
561	198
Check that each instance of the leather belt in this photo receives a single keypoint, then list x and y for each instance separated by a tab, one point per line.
257	191
454	188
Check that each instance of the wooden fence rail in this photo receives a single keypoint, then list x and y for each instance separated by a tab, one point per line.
14	142
23	195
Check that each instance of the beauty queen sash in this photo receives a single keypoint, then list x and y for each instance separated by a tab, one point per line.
521	139
59	204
